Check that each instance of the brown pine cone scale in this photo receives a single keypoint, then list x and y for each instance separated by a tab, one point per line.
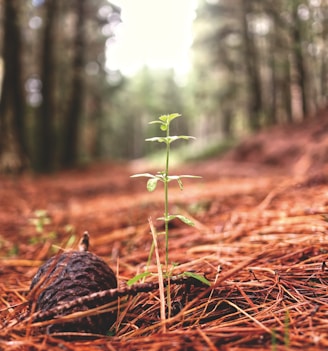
68	276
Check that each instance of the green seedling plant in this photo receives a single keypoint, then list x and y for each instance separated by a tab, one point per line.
164	176
40	221
286	336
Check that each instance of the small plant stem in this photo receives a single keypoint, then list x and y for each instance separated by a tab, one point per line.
166	200
287	329
166	219
274	340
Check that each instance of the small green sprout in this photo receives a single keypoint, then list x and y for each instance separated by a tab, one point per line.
40	220
164	177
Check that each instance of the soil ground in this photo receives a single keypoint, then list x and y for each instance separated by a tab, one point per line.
260	237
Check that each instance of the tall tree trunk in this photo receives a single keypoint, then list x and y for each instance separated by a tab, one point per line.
299	58
252	70
272	113
74	112
13	148
45	128
227	122
280	66
286	90
324	66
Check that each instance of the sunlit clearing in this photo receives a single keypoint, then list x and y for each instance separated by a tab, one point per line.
153	33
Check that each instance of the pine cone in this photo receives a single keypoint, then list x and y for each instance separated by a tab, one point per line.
68	276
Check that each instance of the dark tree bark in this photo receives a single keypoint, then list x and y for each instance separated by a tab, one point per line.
299	58
324	66
13	148
74	112
253	78
281	107
45	128
286	91
227	121
273	64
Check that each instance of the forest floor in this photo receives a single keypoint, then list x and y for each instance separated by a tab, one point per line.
260	237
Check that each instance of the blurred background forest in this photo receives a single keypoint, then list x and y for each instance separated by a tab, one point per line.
254	64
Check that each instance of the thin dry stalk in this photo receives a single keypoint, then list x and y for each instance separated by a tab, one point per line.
160	274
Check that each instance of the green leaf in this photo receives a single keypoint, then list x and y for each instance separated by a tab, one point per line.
172	116
148	175
159	139
185	220
199	277
169	139
189	176
186	137
155	122
178	178
138	277
70	241
173	177
41	213
182	219
179	137
168	118
163	118
151	184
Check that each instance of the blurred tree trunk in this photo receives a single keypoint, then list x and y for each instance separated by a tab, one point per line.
274	56
229	93
324	68
94	130
227	121
272	113
280	66
323	79
73	118
286	90
299	57
13	148
252	73
45	128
